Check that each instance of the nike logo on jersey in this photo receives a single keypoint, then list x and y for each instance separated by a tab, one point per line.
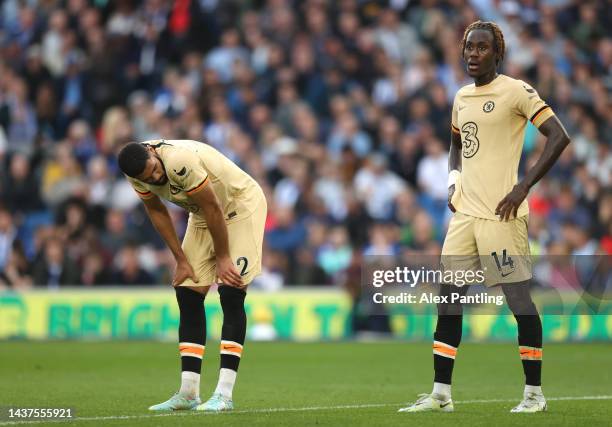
181	172
461	107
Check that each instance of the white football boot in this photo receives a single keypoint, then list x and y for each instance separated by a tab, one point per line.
429	402
532	402
217	403
177	403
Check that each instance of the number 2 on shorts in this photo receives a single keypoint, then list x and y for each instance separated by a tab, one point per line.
244	267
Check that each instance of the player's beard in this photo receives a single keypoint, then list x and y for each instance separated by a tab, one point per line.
161	182
164	179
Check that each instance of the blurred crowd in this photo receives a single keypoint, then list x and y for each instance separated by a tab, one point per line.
339	109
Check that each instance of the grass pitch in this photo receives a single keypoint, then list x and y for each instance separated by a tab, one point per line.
112	384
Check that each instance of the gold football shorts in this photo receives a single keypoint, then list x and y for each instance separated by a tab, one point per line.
499	249
245	245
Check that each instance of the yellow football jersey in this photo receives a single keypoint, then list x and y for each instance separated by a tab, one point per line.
491	120
190	165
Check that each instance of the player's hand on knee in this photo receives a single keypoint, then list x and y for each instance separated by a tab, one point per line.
183	272
510	204
227	273
451	192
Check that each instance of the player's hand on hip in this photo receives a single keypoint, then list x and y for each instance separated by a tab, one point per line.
227	273
510	204
451	192
183	272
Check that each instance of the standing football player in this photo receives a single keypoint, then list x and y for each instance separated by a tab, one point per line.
489	225
222	244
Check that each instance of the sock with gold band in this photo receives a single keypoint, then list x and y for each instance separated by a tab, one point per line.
233	334
530	347
192	339
446	341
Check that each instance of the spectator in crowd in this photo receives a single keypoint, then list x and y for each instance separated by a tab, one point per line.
128	270
377	187
16	273
116	233
430	173
8	232
308	272
335	255
95	271
274	271
62	176
54	268
20	188
346	132
288	233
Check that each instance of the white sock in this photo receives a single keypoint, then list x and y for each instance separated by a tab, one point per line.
537	389
441	390
227	379
190	384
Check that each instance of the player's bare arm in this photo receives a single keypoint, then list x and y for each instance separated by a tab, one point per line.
454	164
158	213
207	201
557	140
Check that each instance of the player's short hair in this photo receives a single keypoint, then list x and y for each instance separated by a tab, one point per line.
498	37
133	159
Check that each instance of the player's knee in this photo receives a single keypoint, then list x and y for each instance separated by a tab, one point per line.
232	299
202	290
523	308
450	309
519	299
188	298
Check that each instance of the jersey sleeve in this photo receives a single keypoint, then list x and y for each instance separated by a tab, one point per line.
186	171
454	116
142	191
531	106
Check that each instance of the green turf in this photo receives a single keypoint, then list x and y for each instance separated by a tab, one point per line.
124	378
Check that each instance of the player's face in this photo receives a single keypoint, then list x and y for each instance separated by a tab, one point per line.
479	53
154	172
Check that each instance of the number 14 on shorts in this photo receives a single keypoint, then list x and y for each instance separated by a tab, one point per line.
505	265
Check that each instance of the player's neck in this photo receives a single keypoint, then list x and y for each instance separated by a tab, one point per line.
485	79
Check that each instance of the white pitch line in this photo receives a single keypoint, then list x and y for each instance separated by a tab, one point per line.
273	410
